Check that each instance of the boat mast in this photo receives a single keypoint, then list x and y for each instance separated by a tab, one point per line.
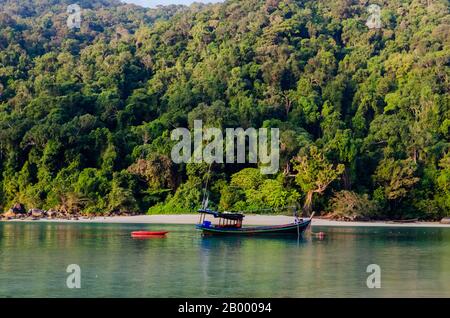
205	200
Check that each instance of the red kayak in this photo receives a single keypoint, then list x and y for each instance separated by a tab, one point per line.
141	234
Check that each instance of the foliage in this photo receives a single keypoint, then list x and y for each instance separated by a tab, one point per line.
86	114
443	196
314	174
250	191
352	206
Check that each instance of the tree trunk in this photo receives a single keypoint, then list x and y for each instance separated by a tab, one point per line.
346	179
307	207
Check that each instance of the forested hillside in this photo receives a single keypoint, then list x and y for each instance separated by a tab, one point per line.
364	114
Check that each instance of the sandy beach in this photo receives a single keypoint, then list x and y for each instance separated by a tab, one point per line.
249	220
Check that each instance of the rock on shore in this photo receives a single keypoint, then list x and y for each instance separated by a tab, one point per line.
36	213
18	212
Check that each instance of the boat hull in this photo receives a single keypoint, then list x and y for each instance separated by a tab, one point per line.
287	229
148	234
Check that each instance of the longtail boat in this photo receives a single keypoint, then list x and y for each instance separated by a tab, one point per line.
231	224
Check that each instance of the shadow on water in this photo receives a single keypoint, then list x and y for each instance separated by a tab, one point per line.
215	241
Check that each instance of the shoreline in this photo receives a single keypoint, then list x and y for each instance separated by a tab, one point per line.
249	220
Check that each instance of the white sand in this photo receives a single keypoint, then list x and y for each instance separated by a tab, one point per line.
249	220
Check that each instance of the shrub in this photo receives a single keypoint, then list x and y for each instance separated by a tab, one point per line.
352	206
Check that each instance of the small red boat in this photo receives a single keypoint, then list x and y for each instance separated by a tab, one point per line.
144	234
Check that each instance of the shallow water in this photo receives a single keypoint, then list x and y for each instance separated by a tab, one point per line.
414	262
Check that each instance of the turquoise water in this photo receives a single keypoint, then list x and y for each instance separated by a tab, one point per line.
414	262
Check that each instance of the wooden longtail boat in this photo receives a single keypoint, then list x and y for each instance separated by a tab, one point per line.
231	224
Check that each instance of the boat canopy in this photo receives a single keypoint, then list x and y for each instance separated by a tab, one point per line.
223	215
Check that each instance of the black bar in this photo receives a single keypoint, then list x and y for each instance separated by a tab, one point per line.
206	307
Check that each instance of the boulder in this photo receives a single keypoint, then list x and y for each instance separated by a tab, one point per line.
52	213
36	213
445	221
10	214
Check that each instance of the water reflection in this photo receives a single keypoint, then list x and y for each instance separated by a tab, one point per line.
415	262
